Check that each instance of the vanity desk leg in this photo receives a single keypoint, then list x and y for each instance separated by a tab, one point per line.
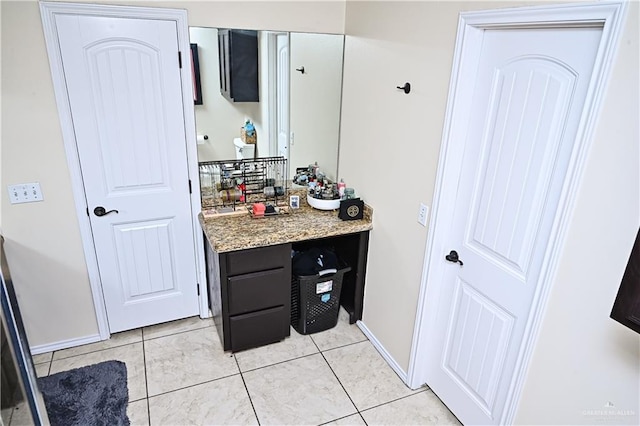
353	249
215	289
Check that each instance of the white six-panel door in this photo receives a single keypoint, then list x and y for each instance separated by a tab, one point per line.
124	88
528	98
282	93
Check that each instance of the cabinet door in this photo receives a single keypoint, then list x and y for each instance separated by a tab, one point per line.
258	259
258	328
223	53
243	54
258	290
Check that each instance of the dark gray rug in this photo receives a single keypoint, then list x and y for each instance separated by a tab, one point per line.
92	395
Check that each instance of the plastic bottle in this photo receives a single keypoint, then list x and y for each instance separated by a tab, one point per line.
341	188
249	129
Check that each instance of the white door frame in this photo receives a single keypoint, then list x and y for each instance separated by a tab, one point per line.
273	96
610	15
271	89
48	11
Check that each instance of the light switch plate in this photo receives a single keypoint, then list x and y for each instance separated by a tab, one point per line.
25	193
422	214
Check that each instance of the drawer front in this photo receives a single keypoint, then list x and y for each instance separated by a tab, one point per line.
258	259
259	328
258	290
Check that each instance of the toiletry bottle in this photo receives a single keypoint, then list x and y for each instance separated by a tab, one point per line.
341	187
249	128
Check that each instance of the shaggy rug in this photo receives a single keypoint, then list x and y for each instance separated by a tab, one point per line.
92	395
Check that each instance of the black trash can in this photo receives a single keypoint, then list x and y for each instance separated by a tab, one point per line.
316	282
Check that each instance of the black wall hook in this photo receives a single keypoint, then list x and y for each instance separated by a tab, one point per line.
406	87
300	69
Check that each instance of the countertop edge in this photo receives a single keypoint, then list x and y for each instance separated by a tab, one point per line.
362	225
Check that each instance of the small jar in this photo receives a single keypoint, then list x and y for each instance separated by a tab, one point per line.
349	193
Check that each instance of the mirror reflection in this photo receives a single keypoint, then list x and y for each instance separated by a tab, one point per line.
296	109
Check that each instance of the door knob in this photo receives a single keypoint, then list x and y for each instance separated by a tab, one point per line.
453	257
101	211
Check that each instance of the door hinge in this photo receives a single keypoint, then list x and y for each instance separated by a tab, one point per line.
179	59
198	286
88	212
190	192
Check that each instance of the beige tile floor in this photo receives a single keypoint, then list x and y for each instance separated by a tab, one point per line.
178	374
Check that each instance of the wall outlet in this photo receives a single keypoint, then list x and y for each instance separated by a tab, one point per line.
422	214
25	193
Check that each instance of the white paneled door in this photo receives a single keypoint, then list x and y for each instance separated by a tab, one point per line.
282	93
526	103
124	88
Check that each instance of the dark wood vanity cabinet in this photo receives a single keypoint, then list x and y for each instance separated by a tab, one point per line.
250	295
250	289
238	65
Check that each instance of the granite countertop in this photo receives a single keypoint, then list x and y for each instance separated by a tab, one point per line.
238	232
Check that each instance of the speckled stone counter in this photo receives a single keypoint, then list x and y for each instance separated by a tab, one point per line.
230	233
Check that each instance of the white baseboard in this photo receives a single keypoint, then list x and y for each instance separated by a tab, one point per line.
385	354
64	344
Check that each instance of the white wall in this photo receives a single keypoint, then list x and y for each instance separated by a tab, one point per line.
389	150
315	100
43	239
389	145
43	245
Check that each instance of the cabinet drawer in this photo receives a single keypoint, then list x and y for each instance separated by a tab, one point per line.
258	290
258	259
259	328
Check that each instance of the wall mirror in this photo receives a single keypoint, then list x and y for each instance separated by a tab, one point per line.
297	114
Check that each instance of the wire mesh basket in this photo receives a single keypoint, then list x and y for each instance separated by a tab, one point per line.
228	183
315	300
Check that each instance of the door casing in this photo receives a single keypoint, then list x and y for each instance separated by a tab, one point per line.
48	10
611	17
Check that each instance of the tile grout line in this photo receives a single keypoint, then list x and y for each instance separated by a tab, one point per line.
394	400
247	389
344	417
276	363
91	352
424	389
51	363
180	332
301	356
340	346
189	386
146	380
123	344
339	382
343	388
445	405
